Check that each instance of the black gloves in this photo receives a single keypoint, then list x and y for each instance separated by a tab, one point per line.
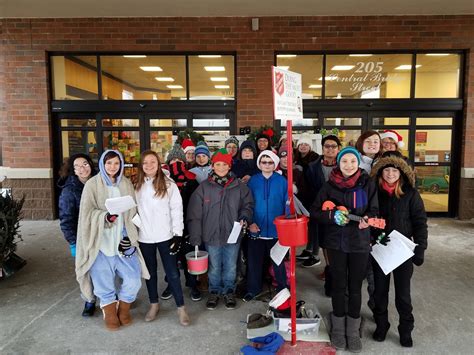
419	256
111	217
175	245
125	247
382	238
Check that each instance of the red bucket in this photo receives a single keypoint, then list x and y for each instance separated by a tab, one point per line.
292	232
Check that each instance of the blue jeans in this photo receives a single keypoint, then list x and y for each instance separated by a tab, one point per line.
171	271
222	268
103	272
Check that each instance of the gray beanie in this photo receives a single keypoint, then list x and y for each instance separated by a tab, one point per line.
232	139
176	153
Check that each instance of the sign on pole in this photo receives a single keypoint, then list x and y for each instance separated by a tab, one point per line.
287	101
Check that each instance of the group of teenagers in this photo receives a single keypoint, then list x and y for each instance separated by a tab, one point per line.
194	199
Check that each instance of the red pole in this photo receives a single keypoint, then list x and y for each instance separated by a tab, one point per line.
289	144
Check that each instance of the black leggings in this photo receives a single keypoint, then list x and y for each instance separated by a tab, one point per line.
347	269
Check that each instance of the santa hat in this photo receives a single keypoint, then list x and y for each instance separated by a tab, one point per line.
305	138
187	145
271	155
388	133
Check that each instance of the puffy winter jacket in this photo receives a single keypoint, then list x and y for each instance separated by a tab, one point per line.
361	200
213	209
69	202
270	197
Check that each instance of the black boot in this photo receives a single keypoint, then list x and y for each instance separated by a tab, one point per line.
89	309
405	337
381	332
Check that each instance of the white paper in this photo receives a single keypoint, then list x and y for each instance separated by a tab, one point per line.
137	221
284	325
392	255
278	252
119	205
409	243
234	234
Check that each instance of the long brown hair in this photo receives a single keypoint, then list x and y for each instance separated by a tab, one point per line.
398	186
160	182
360	142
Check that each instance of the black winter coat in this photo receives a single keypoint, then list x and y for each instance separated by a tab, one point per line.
361	200
406	215
69	202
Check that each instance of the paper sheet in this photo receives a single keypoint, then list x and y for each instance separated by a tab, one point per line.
395	253
299	207
284	325
234	234
137	221
278	252
119	205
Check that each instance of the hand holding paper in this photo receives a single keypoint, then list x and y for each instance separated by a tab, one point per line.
119	205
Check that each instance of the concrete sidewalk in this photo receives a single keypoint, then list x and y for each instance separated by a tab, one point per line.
40	305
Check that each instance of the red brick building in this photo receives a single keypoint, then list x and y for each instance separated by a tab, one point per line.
28	118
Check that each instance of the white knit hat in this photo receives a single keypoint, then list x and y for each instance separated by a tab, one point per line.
388	133
272	156
305	138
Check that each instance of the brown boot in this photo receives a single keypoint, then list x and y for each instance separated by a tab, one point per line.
110	316
124	313
152	312
183	316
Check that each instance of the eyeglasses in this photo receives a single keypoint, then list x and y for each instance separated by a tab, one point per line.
330	146
83	166
267	162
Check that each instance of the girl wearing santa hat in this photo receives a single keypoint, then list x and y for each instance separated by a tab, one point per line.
391	141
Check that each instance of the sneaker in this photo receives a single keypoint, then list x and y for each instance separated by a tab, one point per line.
305	254
195	294
312	261
166	295
89	309
248	297
212	301
229	300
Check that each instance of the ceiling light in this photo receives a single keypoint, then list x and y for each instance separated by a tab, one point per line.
209	56
329	78
406	67
134	56
360	55
286	55
315	86
174	86
284	67
214	68
164	78
151	68
222	86
219	78
342	67
437	54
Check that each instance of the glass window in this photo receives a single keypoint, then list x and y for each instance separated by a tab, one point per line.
391	121
210	120
161	142
437	75
140	77
434	121
74	77
214	139
128	143
311	69
74	142
78	122
120	122
433	145
359	76
211	77
348	137
305	122
433	184
168	122
340	121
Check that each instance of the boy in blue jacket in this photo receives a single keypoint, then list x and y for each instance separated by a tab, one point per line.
270	194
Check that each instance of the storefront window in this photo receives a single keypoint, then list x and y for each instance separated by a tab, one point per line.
211	77
305	122
120	122
311	69
78	122
434	121
210	120
143	77
214	139
433	146
74	77
340	121
437	75
161	142
433	184
128	143
390	121
371	76
74	142
168	122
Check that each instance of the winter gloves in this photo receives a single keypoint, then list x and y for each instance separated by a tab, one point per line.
382	238
111	217
340	217
419	256
175	245
125	247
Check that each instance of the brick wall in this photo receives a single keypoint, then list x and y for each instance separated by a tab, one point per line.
26	122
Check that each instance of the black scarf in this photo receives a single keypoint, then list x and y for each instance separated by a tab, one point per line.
221	180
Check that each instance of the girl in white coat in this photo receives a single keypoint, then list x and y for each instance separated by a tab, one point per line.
161	213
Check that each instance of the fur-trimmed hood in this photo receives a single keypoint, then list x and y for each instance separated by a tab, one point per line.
397	162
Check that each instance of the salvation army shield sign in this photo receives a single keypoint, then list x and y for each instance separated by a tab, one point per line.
287	94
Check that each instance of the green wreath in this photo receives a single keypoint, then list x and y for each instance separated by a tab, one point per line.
191	134
267	130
